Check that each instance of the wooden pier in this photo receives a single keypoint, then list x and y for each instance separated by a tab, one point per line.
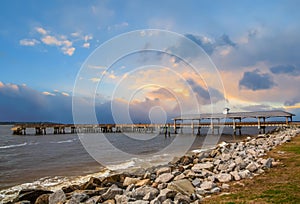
219	120
44	129
213	122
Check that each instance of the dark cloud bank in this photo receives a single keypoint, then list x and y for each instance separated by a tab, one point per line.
23	104
256	80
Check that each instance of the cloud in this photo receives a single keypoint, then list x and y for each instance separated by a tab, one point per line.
65	45
95	79
23	104
51	40
210	45
256	81
286	69
258	107
29	42
293	101
205	95
48	93
203	42
41	30
86	45
68	50
88	37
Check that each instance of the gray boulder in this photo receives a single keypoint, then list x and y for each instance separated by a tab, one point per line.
57	197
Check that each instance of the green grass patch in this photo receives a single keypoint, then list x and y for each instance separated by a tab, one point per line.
280	184
294	149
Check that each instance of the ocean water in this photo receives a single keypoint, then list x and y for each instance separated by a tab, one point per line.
55	160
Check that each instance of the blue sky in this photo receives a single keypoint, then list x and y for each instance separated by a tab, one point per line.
254	44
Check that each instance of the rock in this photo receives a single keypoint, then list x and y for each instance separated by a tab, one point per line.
139	202
112	192
225	157
164	178
121	199
93	200
287	139
225	186
91	184
235	175
30	194
79	197
198	201
240	162
223	177
163	170
223	167
196	182
147	175
116	179
252	167
141	192
199	167
128	181
183	186
150	196
214	153
165	194
252	152
23	202
179	177
162	186
70	188
185	160
231	166
58	197
168	201
111	201
143	182
215	190
267	163
42	199
130	187
207	185
182	199
245	174
260	171
200	191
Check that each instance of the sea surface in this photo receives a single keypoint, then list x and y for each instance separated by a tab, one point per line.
55	160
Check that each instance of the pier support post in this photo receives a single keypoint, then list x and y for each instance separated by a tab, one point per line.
23	131
192	125
233	126
175	127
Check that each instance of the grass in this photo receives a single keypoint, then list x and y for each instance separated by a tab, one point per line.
280	184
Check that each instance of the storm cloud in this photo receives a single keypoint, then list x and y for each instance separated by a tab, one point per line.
286	69
23	104
256	81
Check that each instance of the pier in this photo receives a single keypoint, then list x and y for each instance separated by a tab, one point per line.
235	120
214	122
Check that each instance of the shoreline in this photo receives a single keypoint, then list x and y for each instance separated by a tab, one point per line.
162	178
95	167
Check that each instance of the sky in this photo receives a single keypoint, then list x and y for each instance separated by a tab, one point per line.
50	57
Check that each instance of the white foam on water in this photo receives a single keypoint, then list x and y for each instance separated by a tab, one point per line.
64	141
12	146
124	165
